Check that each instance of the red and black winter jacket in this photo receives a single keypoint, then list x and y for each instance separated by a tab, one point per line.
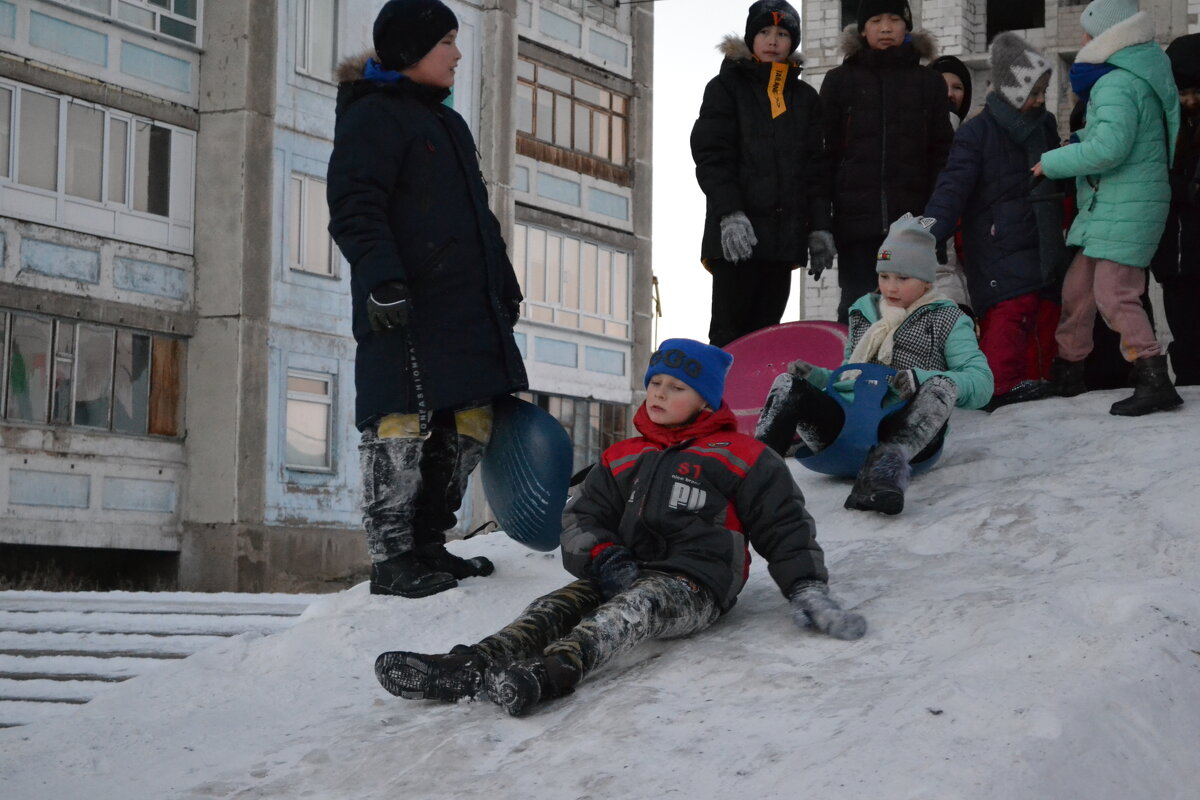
691	501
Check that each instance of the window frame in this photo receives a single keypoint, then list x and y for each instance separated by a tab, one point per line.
298	208
155	10
575	102
304	49
328	400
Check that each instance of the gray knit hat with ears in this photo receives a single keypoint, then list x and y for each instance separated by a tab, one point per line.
1016	68
908	249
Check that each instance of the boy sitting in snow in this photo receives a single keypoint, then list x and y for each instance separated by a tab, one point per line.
659	537
907	325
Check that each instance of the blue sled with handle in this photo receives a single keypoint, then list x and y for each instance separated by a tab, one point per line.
845	456
526	468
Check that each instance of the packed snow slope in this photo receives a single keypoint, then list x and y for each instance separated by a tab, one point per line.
1033	634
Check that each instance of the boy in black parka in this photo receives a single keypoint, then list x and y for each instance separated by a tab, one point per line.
435	297
887	135
760	162
659	538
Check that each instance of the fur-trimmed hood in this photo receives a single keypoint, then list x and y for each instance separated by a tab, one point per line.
1131	46
351	68
1138	29
854	43
734	48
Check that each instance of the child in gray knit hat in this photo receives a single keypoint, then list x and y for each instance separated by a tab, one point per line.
906	325
1013	246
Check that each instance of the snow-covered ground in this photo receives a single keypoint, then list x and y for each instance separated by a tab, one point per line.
1033	614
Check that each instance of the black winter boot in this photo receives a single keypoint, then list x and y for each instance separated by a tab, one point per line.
1023	392
1066	378
882	480
1152	389
449	677
408	576
439	558
519	686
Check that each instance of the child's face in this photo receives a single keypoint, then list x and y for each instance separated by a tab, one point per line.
901	290
954	90
772	44
884	30
670	401
1190	100
1037	98
437	67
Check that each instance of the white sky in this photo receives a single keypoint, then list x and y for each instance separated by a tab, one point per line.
686	33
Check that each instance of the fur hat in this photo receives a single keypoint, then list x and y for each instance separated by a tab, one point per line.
1100	15
873	8
909	249
1016	68
955	66
406	30
1184	53
701	366
772	12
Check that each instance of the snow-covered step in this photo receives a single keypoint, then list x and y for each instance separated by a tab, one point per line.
169	624
103	645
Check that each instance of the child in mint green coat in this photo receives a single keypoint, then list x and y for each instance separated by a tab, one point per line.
1120	164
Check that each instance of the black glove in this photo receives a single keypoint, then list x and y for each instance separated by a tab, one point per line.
904	383
615	569
388	306
811	604
800	368
821	252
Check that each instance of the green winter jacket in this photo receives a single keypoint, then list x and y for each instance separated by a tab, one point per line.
1120	163
936	339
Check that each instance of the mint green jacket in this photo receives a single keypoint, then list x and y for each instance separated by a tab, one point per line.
1121	161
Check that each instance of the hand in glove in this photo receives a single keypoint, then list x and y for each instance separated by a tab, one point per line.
821	252
388	306
904	383
811	604
737	237
615	569
800	368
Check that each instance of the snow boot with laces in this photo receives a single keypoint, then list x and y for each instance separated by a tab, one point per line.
406	575
449	677
520	686
1152	390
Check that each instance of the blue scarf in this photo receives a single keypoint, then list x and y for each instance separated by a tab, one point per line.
1084	77
374	71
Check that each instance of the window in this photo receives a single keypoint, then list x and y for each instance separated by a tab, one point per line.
5	130
1014	15
88	375
310	245
316	38
309	413
570	113
178	19
592	425
572	282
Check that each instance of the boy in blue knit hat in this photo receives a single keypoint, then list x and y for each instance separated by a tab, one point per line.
659	537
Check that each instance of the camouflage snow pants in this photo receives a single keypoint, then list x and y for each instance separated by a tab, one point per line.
413	485
574	622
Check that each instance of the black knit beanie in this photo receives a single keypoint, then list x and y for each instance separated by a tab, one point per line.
1184	53
955	66
406	30
772	12
873	8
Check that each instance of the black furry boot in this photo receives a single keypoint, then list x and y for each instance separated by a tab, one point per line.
449	677
882	480
406	575
1066	378
1152	389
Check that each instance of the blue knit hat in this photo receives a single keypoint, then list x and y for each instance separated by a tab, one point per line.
1100	15
701	366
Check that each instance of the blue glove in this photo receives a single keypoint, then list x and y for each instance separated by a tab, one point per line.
811	604
388	306
615	569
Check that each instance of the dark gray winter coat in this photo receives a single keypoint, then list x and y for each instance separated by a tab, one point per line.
770	168
407	203
691	501
887	133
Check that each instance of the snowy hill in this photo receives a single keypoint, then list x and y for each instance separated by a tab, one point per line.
1034	633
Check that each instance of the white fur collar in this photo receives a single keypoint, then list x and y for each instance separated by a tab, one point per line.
734	47
1138	29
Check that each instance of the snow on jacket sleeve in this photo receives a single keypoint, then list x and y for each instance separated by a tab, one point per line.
965	365
715	150
956	182
363	173
590	517
1112	122
771	508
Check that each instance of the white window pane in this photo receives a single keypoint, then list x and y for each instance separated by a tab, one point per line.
317	250
583	128
562	121
29	368
142	17
85	147
553	272
618	140
518	256
570	273
537	265
604	282
587	280
307	434
118	151
322	28
600	134
131	383
545	115
620	280
37	164
295	226
5	131
302	35
308	385
555	80
93	376
524	108
152	168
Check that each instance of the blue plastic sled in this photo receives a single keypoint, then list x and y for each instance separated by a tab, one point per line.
845	456
525	469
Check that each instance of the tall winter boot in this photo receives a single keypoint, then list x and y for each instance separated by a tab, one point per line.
881	481
406	575
1152	389
453	676
1066	378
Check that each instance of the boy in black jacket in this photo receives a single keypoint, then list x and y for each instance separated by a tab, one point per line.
435	296
659	538
760	162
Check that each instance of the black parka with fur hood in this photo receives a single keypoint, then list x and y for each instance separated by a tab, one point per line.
887	133
771	168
